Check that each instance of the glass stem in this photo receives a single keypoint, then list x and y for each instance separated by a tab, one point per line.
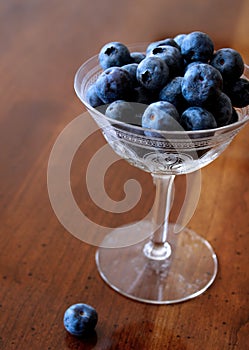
158	248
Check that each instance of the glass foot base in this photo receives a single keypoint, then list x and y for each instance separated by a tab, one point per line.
186	273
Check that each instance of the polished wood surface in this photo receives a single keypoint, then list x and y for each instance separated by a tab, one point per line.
43	268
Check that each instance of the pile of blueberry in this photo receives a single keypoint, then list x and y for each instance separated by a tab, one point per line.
179	82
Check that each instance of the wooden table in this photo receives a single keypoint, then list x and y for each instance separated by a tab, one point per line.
43	268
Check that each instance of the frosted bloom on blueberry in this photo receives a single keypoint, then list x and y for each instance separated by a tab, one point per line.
161	115
201	84
152	73
114	54
229	63
80	319
197	118
197	46
113	84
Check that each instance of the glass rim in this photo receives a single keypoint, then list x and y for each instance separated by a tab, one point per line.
96	67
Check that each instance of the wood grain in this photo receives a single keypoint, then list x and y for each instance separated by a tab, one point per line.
43	268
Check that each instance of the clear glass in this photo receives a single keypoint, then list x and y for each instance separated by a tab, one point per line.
167	267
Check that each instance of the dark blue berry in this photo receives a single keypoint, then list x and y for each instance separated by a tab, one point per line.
172	93
197	118
179	38
235	116
197	46
162	116
171	56
124	111
114	54
80	319
137	57
152	73
188	65
114	84
201	84
170	42
238	91
167	41
143	95
131	68
92	97
222	109
229	62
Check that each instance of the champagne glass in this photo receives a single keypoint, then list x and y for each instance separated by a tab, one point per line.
166	267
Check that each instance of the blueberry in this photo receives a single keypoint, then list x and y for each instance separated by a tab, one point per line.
170	42
167	41
161	115
201	84
92	97
238	91
235	116
179	38
143	95
80	319
137	57
131	68
113	84
152	73
188	65
229	62
171	56
197	118
123	111
172	93
197	46
114	54
222	109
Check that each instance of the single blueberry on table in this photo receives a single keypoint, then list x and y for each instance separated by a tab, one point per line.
113	84
201	84
172	93
114	54
80	319
238	91
229	62
197	46
152	73
197	118
162	116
